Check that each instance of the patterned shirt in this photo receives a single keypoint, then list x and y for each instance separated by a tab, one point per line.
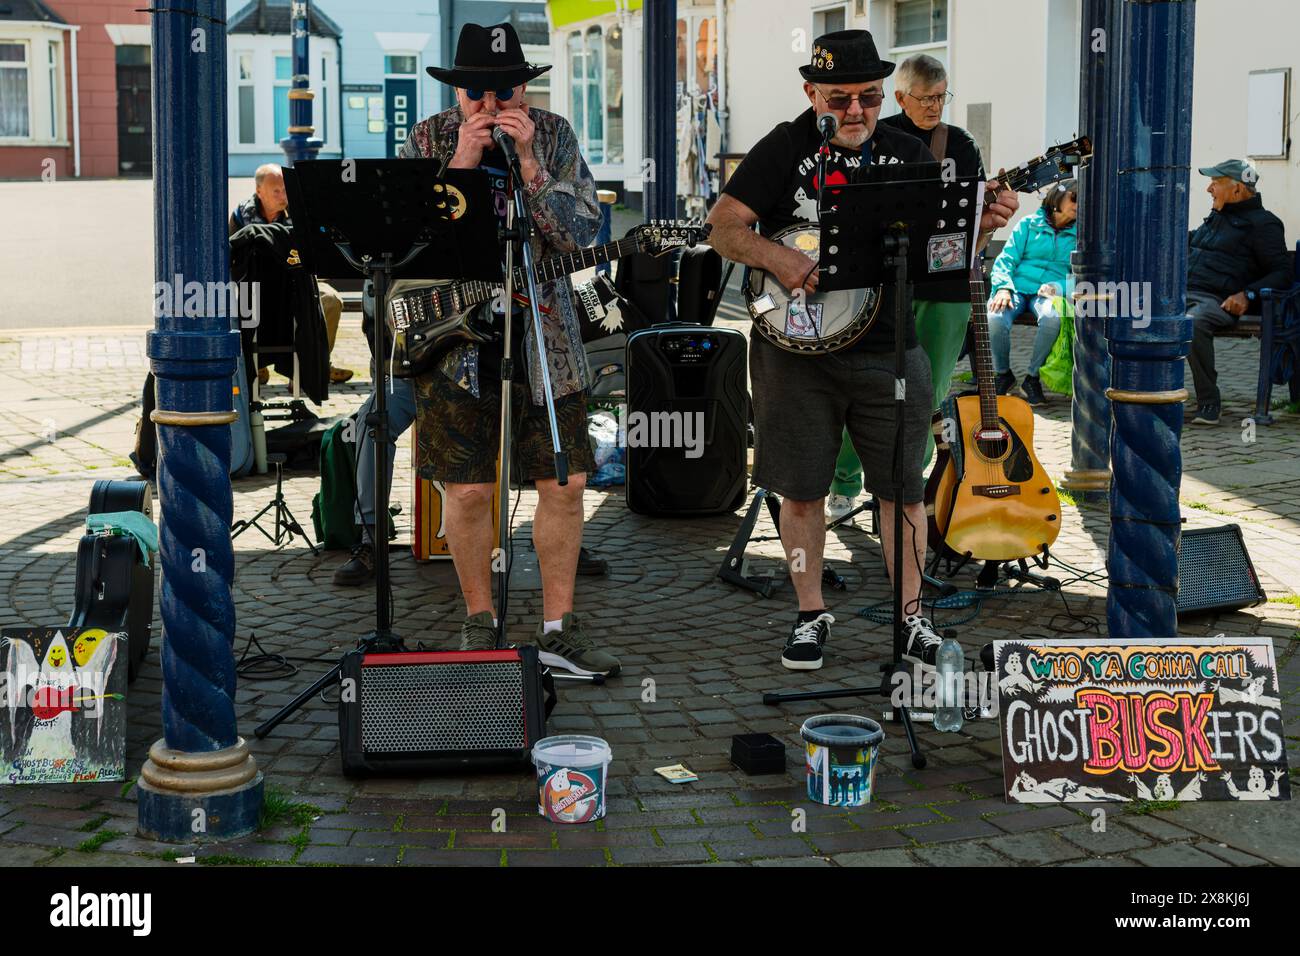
566	217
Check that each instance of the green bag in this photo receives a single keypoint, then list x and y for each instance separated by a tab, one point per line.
333	509
1057	373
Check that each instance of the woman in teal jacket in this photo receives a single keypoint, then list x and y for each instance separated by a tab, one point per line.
1029	274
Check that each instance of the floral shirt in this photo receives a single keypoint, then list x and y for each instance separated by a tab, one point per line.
566	216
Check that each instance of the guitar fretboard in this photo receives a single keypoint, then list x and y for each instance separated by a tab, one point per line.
983	357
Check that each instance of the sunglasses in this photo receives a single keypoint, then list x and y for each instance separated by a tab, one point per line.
501	95
841	101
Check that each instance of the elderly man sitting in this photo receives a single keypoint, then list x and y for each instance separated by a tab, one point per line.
1238	250
269	203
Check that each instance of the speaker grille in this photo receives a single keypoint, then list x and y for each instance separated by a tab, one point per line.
1215	572
439	707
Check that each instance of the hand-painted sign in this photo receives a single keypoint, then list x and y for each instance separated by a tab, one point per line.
64	705
1090	721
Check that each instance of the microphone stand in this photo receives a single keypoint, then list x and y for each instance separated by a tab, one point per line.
517	210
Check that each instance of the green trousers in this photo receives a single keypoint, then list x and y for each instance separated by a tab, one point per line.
941	331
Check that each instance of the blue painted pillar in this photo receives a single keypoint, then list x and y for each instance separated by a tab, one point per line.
660	82
200	782
300	144
1094	256
1148	344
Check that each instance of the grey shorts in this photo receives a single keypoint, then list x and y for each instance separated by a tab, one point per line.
803	404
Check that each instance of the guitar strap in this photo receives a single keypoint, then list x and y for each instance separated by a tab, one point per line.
939	141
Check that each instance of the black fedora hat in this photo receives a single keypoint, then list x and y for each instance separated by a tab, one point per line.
488	58
846	56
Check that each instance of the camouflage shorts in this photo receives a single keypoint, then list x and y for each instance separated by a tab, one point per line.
457	434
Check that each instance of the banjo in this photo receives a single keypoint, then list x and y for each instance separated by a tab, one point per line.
830	321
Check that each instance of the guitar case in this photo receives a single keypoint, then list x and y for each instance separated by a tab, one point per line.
114	586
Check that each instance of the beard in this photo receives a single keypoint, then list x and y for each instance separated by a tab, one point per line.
853	135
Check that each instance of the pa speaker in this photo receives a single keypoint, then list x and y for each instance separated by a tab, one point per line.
1215	572
686	423
421	712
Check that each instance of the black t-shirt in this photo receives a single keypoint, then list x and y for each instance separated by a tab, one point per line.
778	180
965	154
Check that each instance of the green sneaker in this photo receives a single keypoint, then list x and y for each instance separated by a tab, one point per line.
571	649
477	633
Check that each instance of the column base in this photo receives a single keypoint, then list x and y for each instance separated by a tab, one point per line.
1087	484
199	798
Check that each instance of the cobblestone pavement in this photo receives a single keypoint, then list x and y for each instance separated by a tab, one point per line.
68	407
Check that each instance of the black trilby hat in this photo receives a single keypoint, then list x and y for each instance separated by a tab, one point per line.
846	56
488	58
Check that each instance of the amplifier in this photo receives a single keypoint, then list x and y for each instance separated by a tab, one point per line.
1215	573
687	417
441	711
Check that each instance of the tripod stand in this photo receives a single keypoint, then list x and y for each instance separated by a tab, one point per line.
386	219
286	525
869	238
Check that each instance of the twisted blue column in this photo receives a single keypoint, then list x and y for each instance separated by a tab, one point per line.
1148	344
300	144
659	190
199	781
1093	260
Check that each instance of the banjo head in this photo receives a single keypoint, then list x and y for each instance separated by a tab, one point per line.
822	322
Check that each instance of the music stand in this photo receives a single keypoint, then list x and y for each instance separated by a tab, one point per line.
387	219
903	225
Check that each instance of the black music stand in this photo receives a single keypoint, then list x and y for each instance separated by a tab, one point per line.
387	219
903	225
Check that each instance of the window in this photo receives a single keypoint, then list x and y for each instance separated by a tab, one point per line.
15	113
283	83
324	106
247	115
586	85
54	90
400	65
920	21
829	20
614	95
539	88
697	61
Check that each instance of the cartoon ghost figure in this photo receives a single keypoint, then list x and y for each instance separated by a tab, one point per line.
1025	789
560	788
1257	787
1253	693
804	206
1164	788
1016	679
63	682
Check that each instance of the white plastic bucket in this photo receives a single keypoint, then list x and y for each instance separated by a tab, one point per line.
571	773
841	751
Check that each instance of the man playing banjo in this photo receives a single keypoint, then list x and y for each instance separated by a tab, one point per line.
804	402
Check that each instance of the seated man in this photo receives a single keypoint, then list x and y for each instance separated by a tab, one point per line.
1238	250
270	204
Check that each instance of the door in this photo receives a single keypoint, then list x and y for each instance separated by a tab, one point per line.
134	112
399	112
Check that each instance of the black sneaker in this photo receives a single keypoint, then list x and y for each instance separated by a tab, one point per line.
590	566
986	657
1207	413
477	633
1033	391
358	569
1005	382
922	642
571	649
803	648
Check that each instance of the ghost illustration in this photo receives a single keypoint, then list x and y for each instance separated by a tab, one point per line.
1025	789
612	322
1164	788
1016	679
804	206
1252	693
1256	786
66	680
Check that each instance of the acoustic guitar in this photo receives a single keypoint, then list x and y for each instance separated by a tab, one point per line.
988	497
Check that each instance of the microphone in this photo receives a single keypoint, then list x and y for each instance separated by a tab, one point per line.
827	125
507	145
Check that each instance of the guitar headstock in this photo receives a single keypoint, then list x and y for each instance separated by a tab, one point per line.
663	235
1054	165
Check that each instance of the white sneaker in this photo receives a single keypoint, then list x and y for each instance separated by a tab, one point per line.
837	506
922	642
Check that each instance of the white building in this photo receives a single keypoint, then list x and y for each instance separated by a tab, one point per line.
1013	69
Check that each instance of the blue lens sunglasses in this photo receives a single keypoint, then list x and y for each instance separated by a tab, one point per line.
501	95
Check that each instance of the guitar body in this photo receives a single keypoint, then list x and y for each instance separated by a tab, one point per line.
821	322
992	500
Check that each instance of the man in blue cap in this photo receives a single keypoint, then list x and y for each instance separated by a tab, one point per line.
1237	251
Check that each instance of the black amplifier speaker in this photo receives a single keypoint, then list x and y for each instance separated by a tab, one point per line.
1215	572
687	414
443	711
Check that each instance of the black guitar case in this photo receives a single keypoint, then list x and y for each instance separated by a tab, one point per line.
114	587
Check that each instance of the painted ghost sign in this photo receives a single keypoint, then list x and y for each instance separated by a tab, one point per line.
1084	721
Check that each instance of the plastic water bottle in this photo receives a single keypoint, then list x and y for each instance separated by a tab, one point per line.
950	665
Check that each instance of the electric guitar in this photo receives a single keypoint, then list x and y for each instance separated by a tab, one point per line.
830	321
429	319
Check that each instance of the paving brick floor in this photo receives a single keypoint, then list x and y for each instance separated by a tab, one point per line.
696	656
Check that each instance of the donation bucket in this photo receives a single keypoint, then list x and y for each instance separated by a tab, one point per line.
841	752
571	771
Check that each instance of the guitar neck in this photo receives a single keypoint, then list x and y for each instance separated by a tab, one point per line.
550	269
982	360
